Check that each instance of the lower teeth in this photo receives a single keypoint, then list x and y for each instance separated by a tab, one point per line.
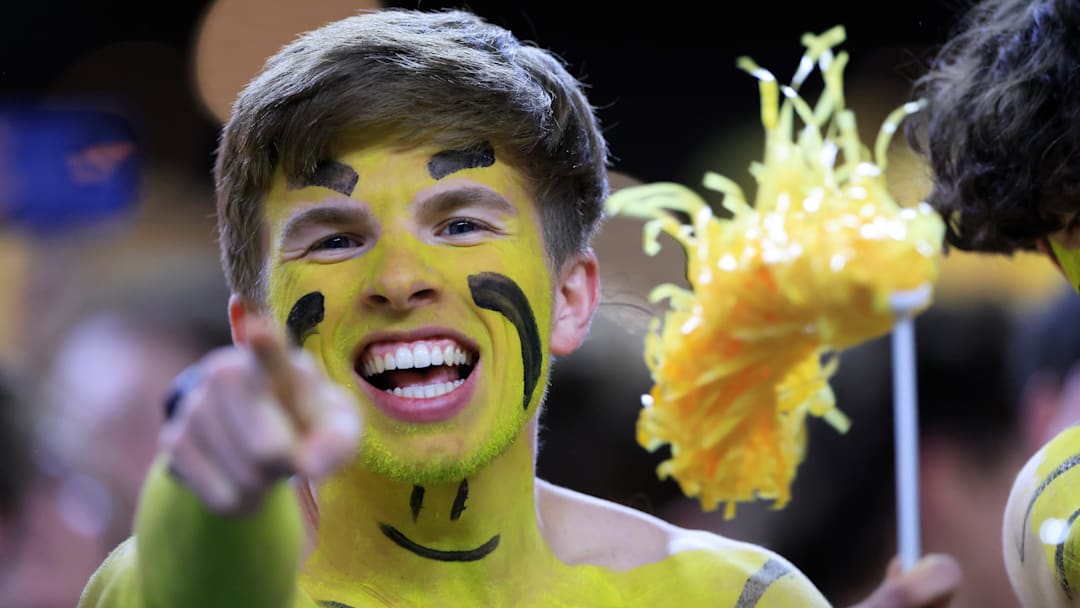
426	391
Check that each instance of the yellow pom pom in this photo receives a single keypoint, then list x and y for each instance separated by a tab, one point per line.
739	359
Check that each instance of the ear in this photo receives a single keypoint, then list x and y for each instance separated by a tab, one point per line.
239	313
576	296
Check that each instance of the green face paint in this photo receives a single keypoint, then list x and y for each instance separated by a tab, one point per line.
1069	260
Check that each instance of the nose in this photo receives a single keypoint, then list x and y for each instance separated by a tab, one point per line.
401	280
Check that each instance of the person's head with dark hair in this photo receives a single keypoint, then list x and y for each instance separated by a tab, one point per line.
398	77
1001	129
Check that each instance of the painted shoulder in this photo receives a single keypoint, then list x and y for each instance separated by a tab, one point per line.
1041	531
704	567
115	583
665	561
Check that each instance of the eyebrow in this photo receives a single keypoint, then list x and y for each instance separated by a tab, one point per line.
340	214
339	177
448	201
451	161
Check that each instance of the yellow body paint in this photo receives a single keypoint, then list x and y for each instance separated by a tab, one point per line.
432	512
1040	538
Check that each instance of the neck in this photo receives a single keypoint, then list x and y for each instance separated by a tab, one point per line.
460	534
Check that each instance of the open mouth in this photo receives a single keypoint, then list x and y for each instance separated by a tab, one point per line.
416	369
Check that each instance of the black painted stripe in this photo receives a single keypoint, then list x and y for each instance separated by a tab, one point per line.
759	582
305	315
467	555
500	293
1071	462
459	500
416	501
336	176
1059	559
450	161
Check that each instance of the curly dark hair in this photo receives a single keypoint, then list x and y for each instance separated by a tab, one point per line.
1001	127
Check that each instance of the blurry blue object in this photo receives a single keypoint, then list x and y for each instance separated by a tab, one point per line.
62	169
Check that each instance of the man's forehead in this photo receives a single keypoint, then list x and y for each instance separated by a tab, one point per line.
434	177
339	174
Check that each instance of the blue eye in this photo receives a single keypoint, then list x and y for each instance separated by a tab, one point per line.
338	241
461	227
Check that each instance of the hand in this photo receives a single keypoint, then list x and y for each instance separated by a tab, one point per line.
930	583
256	415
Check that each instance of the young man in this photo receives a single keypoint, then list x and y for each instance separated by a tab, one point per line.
1001	134
411	197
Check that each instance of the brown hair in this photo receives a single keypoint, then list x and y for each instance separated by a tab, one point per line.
442	77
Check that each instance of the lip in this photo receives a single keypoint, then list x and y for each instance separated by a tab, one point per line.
408	409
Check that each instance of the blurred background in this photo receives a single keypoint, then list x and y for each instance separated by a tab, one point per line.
109	115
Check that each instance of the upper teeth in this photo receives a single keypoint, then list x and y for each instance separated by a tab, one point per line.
415	356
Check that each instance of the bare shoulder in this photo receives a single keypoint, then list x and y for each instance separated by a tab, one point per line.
1043	504
582	529
708	569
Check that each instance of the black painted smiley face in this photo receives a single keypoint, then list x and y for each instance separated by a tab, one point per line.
416	502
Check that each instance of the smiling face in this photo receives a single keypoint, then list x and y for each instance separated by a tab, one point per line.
418	277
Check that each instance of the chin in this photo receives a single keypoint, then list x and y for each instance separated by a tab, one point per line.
435	462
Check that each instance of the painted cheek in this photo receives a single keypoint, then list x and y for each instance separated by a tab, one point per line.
526	264
520	259
499	293
283	290
536	288
306	299
512	288
305	316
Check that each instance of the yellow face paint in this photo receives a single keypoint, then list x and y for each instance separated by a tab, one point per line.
387	255
1069	260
